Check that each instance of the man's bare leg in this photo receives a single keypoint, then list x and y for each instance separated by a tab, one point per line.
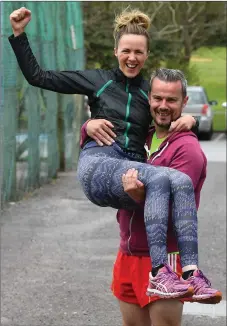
166	312
134	315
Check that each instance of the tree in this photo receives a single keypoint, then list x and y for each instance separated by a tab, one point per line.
190	24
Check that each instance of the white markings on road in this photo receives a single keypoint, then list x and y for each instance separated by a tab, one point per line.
213	311
219	137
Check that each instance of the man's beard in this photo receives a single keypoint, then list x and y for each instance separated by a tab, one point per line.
164	126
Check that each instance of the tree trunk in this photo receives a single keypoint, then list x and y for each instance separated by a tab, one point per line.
187	45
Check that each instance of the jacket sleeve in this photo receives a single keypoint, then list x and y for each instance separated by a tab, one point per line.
190	160
83	133
66	82
195	128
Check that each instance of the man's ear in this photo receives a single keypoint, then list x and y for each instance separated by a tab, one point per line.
149	98
185	101
115	52
148	54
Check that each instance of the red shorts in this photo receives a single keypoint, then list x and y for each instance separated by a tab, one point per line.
130	277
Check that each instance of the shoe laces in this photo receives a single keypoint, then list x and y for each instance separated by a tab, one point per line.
166	276
200	280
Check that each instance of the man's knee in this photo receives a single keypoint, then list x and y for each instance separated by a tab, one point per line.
134	315
166	313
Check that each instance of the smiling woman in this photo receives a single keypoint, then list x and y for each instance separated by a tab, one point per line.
131	41
131	54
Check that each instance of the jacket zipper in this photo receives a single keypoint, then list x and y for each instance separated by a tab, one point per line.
128	124
159	152
130	232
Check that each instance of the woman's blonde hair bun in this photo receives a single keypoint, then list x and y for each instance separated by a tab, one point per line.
134	17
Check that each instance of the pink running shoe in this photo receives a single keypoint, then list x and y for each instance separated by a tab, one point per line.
167	285
203	292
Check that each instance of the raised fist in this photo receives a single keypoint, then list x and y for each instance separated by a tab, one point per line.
19	19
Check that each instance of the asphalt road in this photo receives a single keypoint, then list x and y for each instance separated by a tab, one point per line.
215	149
57	252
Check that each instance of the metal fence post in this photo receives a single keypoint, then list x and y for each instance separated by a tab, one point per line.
1	106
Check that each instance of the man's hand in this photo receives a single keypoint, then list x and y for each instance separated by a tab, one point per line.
19	19
132	186
101	131
185	123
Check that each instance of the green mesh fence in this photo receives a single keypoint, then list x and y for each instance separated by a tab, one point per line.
40	128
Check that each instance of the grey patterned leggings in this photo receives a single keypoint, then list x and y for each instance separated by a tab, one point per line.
100	170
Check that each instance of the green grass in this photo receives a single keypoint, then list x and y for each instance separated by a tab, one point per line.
219	120
210	64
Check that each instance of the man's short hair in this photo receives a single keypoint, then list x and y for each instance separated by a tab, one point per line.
170	75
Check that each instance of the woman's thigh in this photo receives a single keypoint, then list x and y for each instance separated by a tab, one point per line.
101	179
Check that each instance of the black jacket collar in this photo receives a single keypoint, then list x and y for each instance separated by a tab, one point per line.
120	77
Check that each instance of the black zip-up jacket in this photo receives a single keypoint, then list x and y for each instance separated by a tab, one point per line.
112	96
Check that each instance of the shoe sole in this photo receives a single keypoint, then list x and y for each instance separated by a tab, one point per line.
180	295
209	300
